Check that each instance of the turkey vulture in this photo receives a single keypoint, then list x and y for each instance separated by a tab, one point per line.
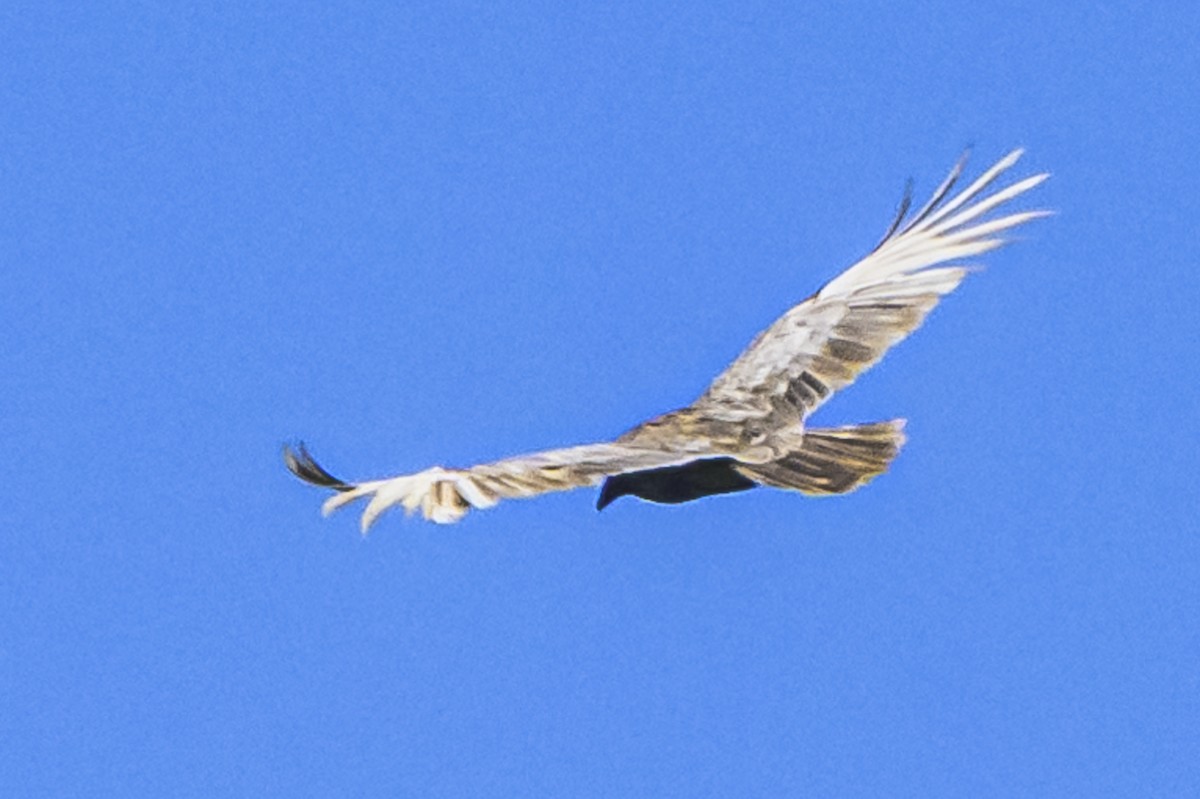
747	429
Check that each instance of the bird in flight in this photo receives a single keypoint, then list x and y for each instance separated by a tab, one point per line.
748	428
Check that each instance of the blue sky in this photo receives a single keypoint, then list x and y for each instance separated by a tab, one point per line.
418	234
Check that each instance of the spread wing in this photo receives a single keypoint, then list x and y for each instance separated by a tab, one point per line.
445	495
825	342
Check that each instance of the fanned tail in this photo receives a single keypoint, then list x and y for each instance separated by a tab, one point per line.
833	460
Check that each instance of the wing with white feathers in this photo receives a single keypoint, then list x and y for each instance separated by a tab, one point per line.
754	407
825	342
445	495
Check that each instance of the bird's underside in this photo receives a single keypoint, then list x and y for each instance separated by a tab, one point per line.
748	428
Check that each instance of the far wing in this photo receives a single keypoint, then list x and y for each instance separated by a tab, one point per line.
445	495
825	342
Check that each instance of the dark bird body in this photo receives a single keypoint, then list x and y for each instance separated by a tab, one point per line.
672	485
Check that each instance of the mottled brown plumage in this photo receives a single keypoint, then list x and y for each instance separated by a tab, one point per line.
748	428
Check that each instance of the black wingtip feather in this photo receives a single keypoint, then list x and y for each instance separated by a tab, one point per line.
301	464
900	225
942	191
901	212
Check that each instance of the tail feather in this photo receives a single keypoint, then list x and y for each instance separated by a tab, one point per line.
833	460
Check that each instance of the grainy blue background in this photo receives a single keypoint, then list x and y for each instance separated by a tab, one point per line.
429	233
